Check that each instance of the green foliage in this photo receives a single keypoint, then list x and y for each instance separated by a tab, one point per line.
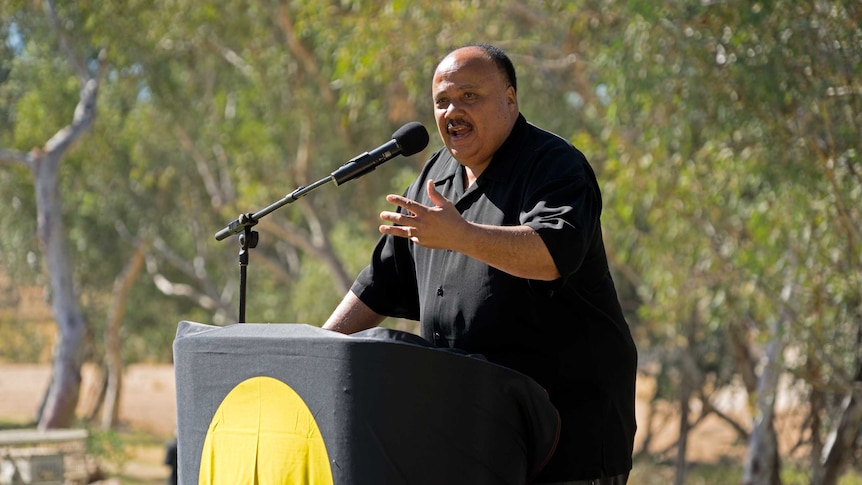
108	447
22	342
725	137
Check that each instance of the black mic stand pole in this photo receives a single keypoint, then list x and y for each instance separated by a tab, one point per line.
249	238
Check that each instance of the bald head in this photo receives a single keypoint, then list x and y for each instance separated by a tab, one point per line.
475	104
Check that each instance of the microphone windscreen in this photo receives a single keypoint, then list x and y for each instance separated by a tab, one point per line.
412	138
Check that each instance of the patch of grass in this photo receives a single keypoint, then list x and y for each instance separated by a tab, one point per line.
722	473
647	473
799	475
6	424
133	457
108	447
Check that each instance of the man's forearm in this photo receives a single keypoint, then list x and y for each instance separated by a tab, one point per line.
517	250
352	315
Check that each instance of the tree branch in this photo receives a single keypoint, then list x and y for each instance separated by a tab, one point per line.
85	111
14	156
170	288
85	114
285	230
309	64
217	197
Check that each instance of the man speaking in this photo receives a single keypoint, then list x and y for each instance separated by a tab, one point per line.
496	249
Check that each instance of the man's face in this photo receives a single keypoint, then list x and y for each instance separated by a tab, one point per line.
474	105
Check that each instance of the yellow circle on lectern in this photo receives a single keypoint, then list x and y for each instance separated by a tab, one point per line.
263	433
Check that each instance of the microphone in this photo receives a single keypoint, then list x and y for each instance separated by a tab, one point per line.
408	140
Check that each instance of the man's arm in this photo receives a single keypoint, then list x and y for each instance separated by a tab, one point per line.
517	250
352	315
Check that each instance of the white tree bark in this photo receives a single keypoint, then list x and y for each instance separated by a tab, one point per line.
762	462
842	439
61	398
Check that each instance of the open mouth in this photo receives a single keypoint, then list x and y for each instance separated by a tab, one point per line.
458	129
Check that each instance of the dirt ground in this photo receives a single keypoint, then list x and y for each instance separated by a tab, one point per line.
148	401
149	404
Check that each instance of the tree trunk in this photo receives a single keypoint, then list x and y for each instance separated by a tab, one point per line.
690	380
684	428
61	399
841	441
762	462
114	361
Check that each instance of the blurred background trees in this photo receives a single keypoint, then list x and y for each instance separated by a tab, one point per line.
725	136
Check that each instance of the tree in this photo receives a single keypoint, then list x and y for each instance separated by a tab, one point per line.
733	132
58	409
725	137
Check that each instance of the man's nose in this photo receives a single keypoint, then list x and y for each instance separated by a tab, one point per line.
453	108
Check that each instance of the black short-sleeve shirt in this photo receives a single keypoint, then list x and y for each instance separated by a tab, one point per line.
569	335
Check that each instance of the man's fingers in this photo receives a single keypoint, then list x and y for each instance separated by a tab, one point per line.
400	231
404	203
396	217
436	197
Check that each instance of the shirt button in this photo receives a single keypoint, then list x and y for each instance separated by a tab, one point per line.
439	291
437	338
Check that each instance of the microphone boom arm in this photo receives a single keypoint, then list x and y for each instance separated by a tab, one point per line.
249	220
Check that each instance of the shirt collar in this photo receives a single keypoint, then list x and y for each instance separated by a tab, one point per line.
502	163
505	158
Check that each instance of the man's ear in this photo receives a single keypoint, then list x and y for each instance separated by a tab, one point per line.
512	97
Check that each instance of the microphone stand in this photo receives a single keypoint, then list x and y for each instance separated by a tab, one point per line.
249	238
413	135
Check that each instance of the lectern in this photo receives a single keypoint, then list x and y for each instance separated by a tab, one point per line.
292	403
